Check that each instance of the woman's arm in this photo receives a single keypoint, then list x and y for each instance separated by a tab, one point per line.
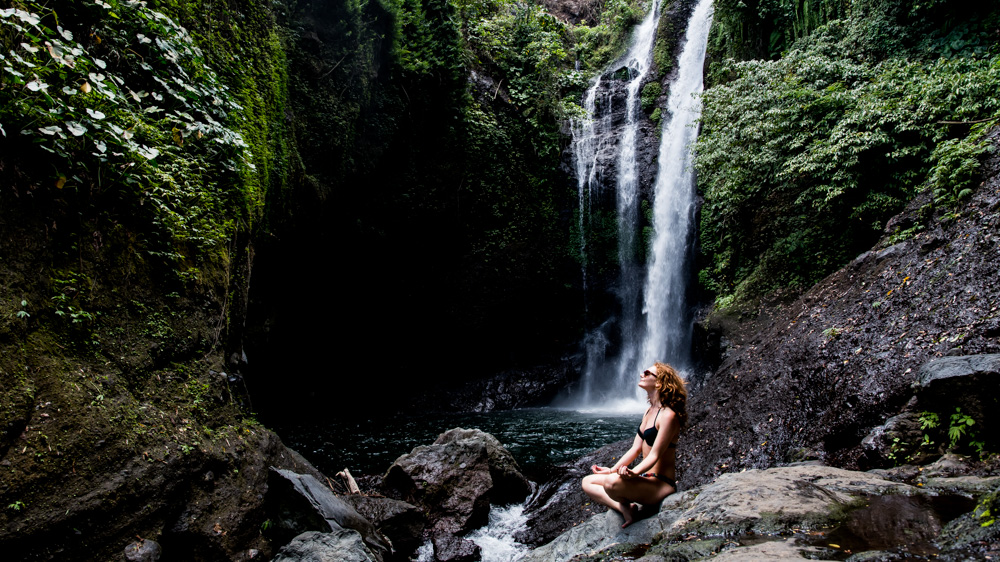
665	433
626	459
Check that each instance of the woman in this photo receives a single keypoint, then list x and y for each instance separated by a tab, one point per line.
621	487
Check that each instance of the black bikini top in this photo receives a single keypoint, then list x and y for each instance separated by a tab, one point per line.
649	436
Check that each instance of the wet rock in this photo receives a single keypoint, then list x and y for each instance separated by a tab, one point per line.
974	533
515	388
448	548
687	550
969	384
560	503
947	466
456	478
766	502
959	373
896	440
297	503
340	545
509	485
773	551
143	551
402	523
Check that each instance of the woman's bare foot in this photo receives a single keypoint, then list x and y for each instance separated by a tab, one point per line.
630	516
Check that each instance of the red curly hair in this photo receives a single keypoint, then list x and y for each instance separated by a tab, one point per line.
672	392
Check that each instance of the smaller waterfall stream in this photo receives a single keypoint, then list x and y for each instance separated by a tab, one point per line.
653	322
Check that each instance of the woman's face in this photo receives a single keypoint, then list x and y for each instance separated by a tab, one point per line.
647	379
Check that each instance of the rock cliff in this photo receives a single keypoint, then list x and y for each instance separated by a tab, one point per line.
812	378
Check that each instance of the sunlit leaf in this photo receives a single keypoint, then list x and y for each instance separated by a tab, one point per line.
75	128
100	64
28	18
29	48
67	34
85	88
101	146
37	85
148	152
49	130
95	114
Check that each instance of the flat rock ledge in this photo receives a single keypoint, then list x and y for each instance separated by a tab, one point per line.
772	503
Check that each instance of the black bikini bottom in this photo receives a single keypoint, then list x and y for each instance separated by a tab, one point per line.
667	479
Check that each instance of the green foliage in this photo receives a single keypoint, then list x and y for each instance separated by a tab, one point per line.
650	92
960	424
23	313
929	420
529	48
801	159
956	166
985	508
122	99
959	431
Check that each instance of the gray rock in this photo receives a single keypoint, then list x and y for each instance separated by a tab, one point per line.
456	478
341	545
402	523
895	441
764	501
938	374
947	466
449	548
143	551
297	503
969	383
509	485
773	551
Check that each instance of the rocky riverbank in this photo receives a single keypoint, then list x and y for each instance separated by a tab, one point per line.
796	513
818	378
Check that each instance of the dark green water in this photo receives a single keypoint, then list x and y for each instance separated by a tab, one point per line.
538	438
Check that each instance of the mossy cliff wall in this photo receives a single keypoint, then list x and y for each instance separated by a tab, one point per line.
139	143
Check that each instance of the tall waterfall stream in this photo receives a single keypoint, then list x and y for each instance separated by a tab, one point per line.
653	322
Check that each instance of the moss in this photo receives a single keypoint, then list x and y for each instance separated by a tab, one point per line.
688	550
650	93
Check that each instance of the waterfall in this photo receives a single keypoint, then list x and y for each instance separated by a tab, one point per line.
653	321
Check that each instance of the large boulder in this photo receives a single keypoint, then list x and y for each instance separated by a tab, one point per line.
456	478
970	383
340	545
509	485
297	503
760	501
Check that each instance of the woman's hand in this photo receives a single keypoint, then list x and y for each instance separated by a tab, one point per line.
625	472
600	469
